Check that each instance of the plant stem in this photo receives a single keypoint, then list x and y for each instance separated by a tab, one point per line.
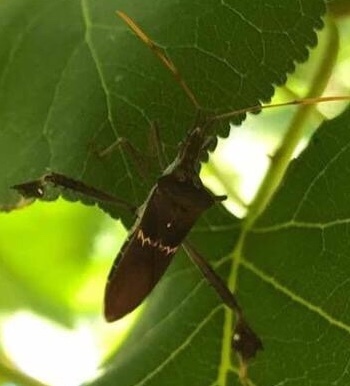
278	167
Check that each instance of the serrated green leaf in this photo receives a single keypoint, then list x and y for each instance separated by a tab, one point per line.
296	259
87	81
74	78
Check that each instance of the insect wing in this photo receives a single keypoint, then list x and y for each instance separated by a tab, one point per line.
137	270
168	215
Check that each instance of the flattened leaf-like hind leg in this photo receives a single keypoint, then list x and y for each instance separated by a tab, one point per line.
244	340
36	189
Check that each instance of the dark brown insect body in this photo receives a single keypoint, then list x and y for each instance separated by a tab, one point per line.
164	220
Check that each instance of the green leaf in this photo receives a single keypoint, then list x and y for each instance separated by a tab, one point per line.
293	282
296	260
74	78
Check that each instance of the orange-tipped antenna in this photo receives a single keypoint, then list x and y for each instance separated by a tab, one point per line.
306	101
161	55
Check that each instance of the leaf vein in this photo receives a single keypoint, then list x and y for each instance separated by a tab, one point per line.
300	224
94	56
180	348
296	298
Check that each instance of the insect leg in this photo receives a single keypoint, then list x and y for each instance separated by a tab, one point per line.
244	340
141	160
36	189
157	145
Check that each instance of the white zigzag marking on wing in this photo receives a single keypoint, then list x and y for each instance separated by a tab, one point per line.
145	240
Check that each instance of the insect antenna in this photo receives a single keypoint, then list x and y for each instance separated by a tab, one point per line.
244	340
161	54
295	102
